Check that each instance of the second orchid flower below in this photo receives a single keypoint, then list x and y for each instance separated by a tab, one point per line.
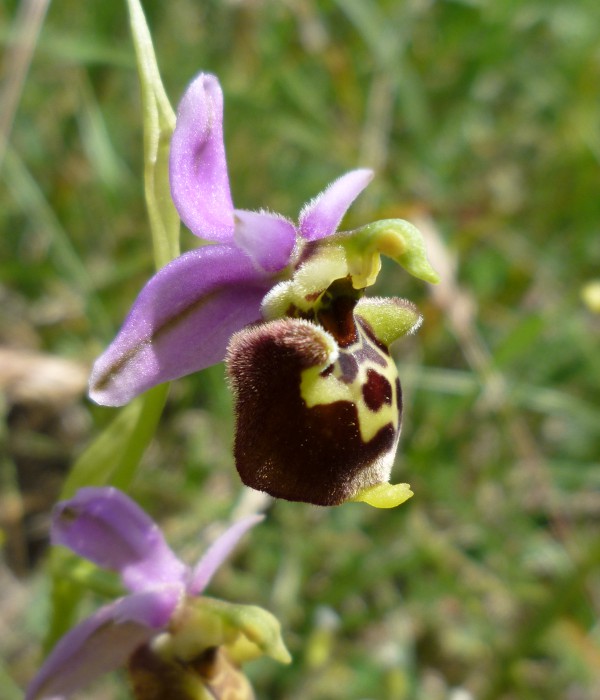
318	399
174	641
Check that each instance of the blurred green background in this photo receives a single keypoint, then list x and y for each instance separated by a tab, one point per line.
482	120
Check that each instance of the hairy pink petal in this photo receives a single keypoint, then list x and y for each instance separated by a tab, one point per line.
197	165
322	216
180	323
105	526
267	238
218	552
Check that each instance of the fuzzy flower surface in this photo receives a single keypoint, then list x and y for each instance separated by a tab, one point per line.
318	400
163	614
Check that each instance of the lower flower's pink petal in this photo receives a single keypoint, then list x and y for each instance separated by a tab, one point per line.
216	554
267	238
180	323
105	526
102	643
197	164
322	216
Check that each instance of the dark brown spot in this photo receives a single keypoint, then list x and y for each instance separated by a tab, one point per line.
338	319
348	366
313	296
205	663
376	391
335	311
153	678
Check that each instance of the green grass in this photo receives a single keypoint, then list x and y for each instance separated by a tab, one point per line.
481	119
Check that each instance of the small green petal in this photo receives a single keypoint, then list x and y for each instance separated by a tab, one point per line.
384	495
395	238
389	317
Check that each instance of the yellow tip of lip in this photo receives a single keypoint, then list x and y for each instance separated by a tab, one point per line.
384	495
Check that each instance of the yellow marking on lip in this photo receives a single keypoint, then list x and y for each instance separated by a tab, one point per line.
317	390
321	390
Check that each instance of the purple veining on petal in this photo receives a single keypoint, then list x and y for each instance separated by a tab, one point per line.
322	216
180	323
218	552
197	163
108	528
267	238
102	642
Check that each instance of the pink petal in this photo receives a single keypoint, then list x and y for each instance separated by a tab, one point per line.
180	323
102	643
322	216
197	167
218	552
267	238
105	526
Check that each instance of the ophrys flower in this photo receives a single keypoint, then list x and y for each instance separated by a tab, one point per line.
164	622
318	400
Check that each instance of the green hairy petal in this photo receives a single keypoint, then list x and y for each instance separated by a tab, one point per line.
395	238
389	317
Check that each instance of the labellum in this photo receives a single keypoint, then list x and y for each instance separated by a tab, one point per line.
317	396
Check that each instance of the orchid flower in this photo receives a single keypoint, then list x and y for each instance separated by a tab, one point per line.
164	630
318	400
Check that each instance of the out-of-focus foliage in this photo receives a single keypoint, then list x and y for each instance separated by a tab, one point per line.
482	120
